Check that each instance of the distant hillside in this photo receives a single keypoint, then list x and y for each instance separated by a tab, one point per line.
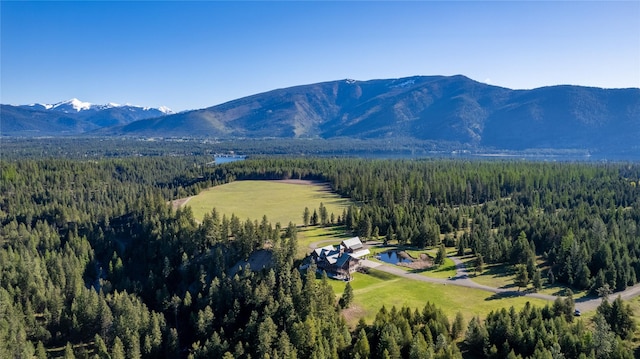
72	117
17	121
454	109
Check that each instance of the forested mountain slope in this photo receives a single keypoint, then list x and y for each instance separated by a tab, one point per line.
439	108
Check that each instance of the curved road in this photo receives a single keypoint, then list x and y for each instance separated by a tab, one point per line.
462	279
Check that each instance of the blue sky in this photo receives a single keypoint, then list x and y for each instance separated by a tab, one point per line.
188	55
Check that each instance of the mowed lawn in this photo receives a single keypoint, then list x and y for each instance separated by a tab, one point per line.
323	236
373	290
280	201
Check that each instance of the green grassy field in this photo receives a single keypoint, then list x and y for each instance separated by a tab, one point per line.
280	201
373	290
446	270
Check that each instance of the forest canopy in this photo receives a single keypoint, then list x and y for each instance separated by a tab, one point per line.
94	262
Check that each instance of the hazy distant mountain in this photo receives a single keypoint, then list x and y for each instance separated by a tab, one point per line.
434	108
443	108
69	117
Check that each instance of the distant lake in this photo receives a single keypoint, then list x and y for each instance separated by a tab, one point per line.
220	159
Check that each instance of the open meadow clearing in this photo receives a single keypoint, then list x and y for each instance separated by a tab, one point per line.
373	290
280	201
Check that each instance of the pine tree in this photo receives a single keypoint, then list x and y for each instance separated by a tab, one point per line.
389	236
267	333
323	214
100	347
461	247
537	280
117	351
458	326
68	352
477	336
347	296
603	337
419	348
479	263
306	216
361	347
522	276
41	352
441	255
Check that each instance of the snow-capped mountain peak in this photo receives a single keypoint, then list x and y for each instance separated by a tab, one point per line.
85	116
165	109
72	105
76	106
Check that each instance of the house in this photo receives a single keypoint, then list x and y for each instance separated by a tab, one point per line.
341	260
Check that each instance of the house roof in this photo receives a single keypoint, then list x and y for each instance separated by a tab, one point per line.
341	260
336	257
324	250
352	243
361	253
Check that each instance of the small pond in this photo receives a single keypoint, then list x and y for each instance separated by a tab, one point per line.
393	257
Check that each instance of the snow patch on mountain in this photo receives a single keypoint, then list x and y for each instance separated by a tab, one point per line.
72	105
75	106
165	109
403	84
39	106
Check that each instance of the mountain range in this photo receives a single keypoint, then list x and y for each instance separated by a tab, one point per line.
434	108
71	117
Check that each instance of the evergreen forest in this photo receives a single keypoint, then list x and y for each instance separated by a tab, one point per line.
95	262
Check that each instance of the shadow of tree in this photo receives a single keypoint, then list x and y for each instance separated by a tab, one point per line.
498	271
503	295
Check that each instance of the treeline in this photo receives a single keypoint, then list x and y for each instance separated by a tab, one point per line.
95	262
85	192
118	147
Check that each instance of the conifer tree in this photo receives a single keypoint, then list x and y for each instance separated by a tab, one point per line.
361	347
522	276
441	255
347	296
458	326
